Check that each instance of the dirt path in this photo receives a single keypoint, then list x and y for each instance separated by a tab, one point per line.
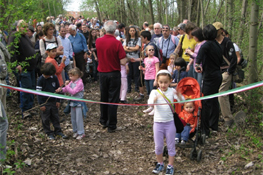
129	151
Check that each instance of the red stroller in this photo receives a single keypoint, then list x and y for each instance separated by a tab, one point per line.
190	89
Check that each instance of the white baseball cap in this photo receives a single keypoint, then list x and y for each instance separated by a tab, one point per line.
51	46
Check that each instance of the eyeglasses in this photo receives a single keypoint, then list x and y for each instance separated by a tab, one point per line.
156	28
151	50
166	28
179	29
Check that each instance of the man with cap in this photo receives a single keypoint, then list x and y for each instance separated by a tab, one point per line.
23	52
227	69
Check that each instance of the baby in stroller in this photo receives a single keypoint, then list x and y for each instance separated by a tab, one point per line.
188	114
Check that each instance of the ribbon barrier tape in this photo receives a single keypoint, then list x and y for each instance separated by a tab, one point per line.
48	94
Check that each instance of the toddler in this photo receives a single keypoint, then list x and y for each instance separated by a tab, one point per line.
76	88
189	116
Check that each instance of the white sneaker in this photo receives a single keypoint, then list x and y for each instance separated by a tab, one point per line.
80	136
75	135
183	142
148	110
176	140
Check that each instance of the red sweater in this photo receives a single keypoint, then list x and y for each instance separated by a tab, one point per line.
59	69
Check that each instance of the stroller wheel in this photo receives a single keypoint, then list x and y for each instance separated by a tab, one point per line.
193	154
199	155
165	151
203	137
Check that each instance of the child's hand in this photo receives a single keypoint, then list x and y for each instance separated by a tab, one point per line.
58	90
63	59
192	126
67	82
179	95
57	104
43	108
140	68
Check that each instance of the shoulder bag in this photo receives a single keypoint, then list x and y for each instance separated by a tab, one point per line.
178	122
238	75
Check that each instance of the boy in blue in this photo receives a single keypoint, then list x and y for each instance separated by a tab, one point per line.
48	82
180	71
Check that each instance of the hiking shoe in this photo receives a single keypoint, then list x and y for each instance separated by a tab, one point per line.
123	101
148	109
141	97
169	170
75	135
177	141
229	123
26	115
51	137
62	135
159	168
113	130
80	136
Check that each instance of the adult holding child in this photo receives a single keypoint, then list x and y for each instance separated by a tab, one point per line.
112	55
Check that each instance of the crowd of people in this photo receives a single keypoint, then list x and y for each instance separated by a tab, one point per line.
62	52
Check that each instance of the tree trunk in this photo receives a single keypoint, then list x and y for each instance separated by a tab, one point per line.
189	9
151	10
225	17
220	6
206	7
242	21
260	24
202	13
166	13
253	77
230	16
159	9
97	9
198	13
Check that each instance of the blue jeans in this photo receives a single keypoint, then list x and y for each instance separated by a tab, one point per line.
27	80
149	86
198	77
3	131
184	135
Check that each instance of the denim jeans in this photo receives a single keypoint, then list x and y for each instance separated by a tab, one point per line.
3	131
184	135
198	77
27	80
149	86
94	68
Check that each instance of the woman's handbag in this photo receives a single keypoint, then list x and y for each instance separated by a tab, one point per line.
180	53
178	122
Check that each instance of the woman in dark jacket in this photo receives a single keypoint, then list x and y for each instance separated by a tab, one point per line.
210	55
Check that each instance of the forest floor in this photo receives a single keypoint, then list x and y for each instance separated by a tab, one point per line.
128	151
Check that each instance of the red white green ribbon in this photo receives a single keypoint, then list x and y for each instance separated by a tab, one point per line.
55	95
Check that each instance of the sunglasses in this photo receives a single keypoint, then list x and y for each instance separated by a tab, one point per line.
151	50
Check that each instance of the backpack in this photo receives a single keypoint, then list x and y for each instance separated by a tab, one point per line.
243	61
